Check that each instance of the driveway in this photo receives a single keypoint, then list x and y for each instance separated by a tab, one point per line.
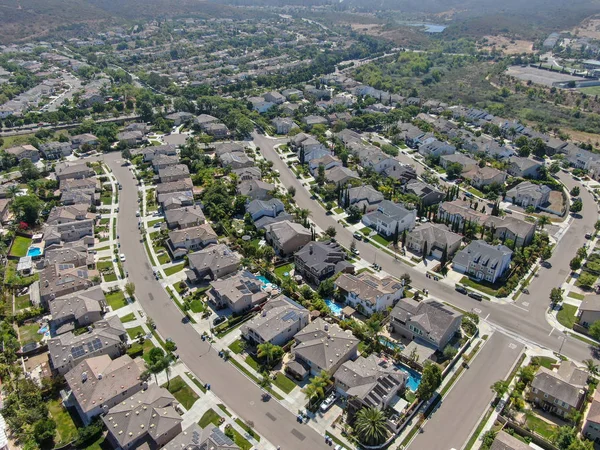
455	420
242	396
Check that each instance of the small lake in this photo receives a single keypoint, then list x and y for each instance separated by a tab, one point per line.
427	27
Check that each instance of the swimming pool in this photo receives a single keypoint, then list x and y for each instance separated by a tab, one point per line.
34	251
389	344
43	329
263	279
414	377
336	309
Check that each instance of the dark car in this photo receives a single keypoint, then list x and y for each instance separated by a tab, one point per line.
461	289
476	296
218	320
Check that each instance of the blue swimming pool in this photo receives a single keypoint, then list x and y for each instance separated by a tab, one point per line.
43	329
34	251
389	344
414	377
263	279
335	308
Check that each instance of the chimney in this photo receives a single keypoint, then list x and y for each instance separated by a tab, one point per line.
83	377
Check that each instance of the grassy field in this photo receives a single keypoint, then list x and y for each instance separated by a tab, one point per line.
197	306
128	318
284	383
575	295
20	246
162	255
153	222
29	333
66	430
236	437
283	269
209	417
133	332
116	300
380	240
182	392
22	302
480	286
546	361
235	347
174	269
566	315
592	90
541	427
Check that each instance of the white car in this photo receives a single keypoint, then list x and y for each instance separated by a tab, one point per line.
137	214
122	256
328	402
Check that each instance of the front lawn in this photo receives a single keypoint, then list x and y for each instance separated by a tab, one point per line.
133	332
182	392
476	192
338	210
154	222
235	347
66	430
483	286
566	315
209	417
248	429
162	255
197	306
253	363
239	440
29	333
20	246
116	300
281	270
576	296
546	362
284	383
128	318
22	302
366	231
541	427
380	240
174	269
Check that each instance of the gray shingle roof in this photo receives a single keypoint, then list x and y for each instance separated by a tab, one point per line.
505	441
482	252
196	438
553	384
277	313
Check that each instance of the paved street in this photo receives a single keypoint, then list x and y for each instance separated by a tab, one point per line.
240	394
453	423
525	318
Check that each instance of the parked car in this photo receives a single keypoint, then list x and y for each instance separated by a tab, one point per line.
476	296
329	401
357	236
355	251
218	320
461	289
122	257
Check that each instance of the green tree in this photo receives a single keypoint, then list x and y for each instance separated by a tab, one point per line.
326	288
575	263
591	366
269	352
563	437
450	352
595	330
500	387
430	381
556	296
318	386
130	289
576	206
28	170
543	221
330	231
575	191
370	425
26	208
586	279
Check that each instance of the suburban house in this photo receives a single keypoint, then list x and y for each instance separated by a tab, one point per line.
483	261
147	419
328	161
400	172
433	147
366	198
289	93
279	320
256	189
203	120
70	171
240	292
485	176
591	420
236	160
429	322
324	347
196	438
24	152
434	239
83	139
174	186
458	158
523	167
283	125
181	242
98	383
260	105
371	381
85	190
274	97
56	150
589	310
248	173
529	194
77	310
184	217
517	230
390	217
559	391
410	134
426	193
505	441
340	175
163	161
149	153
313	120
173	173
317	261
176	200
214	261
217	130
459	211
130	138
58	279
287	237
261	208
368	294
76	255
108	337
179	118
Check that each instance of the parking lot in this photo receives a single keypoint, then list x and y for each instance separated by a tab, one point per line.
539	76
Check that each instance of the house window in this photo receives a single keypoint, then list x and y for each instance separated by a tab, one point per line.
556	401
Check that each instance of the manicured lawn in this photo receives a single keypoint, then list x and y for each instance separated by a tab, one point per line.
476	192
162	255
253	363
144	348
338	210
209	417
575	295
366	231
240	441
380	240
235	347
182	392
22	302
20	246
133	332
103	265
283	269
284	383
566	315
153	222
174	269
29	333
106	200
223	408
104	221
546	362
480	286
247	429
541	427
197	306
66	430
128	318
116	300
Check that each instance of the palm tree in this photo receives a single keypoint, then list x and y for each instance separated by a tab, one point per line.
317	386
13	190
269	352
543	221
591	366
265	381
370	426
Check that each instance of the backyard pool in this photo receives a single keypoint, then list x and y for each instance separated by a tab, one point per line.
34	251
263	279
43	330
414	377
389	344
336	309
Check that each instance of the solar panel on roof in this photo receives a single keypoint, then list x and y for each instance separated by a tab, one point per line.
371	283
290	315
77	352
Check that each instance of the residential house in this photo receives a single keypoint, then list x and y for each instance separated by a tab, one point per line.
410	134
517	230
147	419
428	194
390	217
77	310
369	294
256	189
560	391
239	292
289	93
340	175
287	237
523	167
73	171
57	280
136	126
98	383
400	172
184	217
279	320
173	173
214	261
130	138
181	242
149	153
324	347
261	208
76	255
217	130
196	438
77	191
283	125
459	211
24	152
176	200
483	261
529	194
80	140
589	310
220	148
205	119
505	441
434	148
248	173
163	161
312	120
328	161
174	186
236	160
317	261
486	176
289	109
435	239
56	150
429	322
108	337
274	97
366	198
260	105
371	382
458	158
179	118
591	420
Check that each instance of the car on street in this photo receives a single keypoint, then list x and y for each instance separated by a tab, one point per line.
218	320
357	236
156	225
329	401
122	257
354	251
461	289
137	213
476	296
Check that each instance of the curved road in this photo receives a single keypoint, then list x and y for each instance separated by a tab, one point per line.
518	319
241	395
